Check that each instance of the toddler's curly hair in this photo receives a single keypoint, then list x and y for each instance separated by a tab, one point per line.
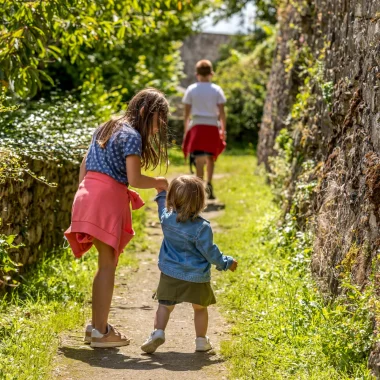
187	197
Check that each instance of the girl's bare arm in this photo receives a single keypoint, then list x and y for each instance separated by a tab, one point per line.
186	117
82	169
222	116
140	181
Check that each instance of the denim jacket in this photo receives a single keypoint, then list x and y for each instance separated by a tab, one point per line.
187	250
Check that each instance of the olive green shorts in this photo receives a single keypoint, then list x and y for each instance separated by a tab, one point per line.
171	291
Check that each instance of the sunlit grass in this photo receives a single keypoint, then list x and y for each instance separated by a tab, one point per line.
281	326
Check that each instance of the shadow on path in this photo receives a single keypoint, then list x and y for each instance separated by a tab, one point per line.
145	307
114	359
214	207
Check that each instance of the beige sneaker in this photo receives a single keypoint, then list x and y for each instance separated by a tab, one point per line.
112	338
87	334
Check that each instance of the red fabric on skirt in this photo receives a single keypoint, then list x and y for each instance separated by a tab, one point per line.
101	210
203	137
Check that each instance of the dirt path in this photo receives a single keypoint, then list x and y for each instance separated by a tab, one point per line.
133	311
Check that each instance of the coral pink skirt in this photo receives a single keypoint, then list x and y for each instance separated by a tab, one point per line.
102	210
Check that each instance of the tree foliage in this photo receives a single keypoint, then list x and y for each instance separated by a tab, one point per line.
265	9
77	42
244	66
243	78
67	65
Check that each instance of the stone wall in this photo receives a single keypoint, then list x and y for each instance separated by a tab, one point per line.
38	214
197	47
341	137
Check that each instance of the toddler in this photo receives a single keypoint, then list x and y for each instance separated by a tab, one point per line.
185	259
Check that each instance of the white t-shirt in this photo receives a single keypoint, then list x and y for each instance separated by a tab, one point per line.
204	98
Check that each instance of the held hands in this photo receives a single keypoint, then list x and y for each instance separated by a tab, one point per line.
233	266
162	184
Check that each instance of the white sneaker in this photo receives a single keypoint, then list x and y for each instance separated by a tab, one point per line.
156	338
203	344
87	334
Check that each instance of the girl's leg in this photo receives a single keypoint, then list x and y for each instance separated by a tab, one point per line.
200	320
210	168
200	162
162	316
102	288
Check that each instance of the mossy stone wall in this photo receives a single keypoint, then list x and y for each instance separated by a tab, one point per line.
37	213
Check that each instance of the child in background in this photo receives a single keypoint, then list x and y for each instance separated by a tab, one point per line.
185	259
101	214
203	139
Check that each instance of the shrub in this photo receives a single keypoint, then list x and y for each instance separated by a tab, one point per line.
243	78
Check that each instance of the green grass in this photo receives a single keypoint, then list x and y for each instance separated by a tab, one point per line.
281	326
53	297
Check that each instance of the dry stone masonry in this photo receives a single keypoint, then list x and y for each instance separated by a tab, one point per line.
38	214
339	133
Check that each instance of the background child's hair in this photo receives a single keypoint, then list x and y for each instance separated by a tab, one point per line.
204	67
187	197
154	146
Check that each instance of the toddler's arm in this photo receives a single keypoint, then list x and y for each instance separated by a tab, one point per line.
161	201
210	251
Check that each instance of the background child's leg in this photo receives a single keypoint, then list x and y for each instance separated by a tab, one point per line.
162	316
200	320
210	168
103	285
200	162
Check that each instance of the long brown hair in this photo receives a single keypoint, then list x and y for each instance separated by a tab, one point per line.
187	197
139	115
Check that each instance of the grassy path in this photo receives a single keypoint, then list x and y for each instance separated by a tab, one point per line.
281	328
133	311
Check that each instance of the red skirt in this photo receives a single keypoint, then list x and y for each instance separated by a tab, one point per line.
203	137
101	210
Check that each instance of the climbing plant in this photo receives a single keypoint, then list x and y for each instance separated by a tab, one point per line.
8	267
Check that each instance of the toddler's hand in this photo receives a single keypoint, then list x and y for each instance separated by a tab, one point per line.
162	184
233	266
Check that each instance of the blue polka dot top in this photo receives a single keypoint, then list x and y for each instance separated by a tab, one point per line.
111	159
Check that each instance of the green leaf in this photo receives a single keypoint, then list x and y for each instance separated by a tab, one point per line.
55	48
18	33
10	239
121	32
47	77
42	48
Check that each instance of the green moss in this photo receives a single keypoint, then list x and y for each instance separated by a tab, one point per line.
349	259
